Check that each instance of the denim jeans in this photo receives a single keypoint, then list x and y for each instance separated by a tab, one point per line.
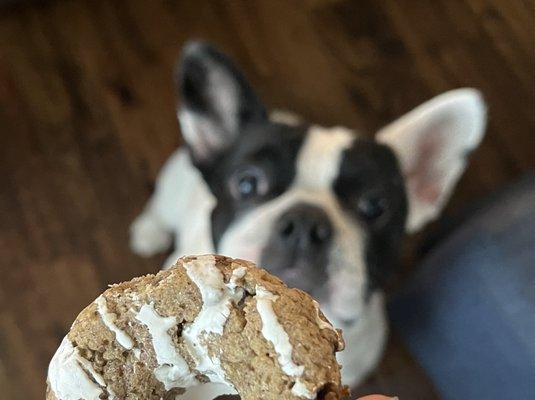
468	315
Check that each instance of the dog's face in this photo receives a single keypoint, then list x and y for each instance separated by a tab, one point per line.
320	208
324	209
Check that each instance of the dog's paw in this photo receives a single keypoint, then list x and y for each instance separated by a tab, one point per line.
148	237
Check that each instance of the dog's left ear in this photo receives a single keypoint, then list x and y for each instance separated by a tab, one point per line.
432	143
216	103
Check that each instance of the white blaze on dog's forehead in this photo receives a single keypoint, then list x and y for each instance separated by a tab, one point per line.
217	301
173	371
109	318
71	378
319	159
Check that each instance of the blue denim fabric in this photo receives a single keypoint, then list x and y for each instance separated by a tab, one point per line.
468	315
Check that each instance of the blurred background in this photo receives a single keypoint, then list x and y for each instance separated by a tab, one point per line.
87	118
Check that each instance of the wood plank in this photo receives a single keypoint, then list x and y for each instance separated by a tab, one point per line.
87	110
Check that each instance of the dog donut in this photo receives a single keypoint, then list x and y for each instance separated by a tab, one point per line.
209	321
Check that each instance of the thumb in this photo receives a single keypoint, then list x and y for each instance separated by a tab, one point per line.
377	397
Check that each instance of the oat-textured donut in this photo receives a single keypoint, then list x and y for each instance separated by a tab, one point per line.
210	321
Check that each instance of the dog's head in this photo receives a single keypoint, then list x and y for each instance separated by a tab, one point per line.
323	208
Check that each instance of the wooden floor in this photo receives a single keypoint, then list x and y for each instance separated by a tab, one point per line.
87	117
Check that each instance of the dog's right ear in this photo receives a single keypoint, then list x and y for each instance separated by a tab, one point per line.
432	143
216	99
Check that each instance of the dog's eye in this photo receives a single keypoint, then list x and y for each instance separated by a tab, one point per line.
248	182
372	207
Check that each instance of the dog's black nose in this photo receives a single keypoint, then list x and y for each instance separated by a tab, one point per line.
299	247
304	227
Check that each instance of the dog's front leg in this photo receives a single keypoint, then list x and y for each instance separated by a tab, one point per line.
148	233
152	231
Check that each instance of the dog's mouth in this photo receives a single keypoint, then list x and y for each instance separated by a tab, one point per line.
339	292
303	273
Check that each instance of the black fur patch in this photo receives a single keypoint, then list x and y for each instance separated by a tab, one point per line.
269	146
371	170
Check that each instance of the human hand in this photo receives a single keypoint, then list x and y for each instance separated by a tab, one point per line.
377	397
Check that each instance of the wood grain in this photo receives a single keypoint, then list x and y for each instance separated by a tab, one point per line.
87	117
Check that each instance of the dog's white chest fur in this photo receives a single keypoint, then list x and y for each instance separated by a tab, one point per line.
365	341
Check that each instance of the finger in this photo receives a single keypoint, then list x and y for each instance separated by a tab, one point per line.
377	397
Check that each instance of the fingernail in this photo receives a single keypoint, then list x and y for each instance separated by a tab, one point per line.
394	398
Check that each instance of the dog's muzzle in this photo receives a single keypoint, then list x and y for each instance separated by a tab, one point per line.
299	246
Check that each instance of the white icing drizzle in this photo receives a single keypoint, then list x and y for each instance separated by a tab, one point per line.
68	375
275	333
236	277
300	390
88	367
327	325
173	371
109	318
217	299
321	323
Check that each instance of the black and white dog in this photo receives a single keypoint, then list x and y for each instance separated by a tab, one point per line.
323	208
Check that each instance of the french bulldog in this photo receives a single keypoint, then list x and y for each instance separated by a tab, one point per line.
324	208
